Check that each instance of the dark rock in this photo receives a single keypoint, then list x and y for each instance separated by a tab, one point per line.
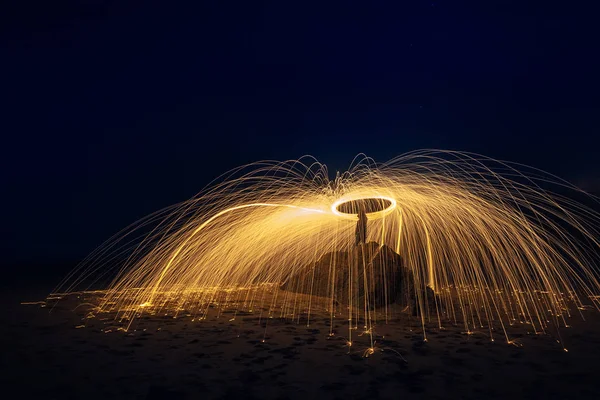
372	270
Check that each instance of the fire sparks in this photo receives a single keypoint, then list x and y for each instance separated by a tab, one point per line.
493	242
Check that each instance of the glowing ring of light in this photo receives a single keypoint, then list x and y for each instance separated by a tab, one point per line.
371	215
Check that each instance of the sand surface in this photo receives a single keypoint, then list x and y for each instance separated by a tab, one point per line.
47	356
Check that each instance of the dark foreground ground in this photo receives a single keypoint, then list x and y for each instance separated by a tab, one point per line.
45	356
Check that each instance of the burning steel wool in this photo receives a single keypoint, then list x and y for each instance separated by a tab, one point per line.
448	237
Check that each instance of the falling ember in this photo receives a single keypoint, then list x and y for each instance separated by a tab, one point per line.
496	244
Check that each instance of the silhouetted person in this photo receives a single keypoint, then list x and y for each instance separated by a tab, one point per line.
361	227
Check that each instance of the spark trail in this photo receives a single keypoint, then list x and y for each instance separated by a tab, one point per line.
497	243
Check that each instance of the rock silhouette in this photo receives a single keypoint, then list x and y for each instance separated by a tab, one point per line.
370	272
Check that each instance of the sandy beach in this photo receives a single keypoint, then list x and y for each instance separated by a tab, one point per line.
51	355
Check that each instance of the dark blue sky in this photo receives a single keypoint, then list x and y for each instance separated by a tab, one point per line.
114	109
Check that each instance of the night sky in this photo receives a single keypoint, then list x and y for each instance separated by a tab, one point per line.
114	109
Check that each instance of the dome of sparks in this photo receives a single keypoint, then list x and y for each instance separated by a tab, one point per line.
485	243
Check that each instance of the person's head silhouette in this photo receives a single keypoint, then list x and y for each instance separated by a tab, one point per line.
362	214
